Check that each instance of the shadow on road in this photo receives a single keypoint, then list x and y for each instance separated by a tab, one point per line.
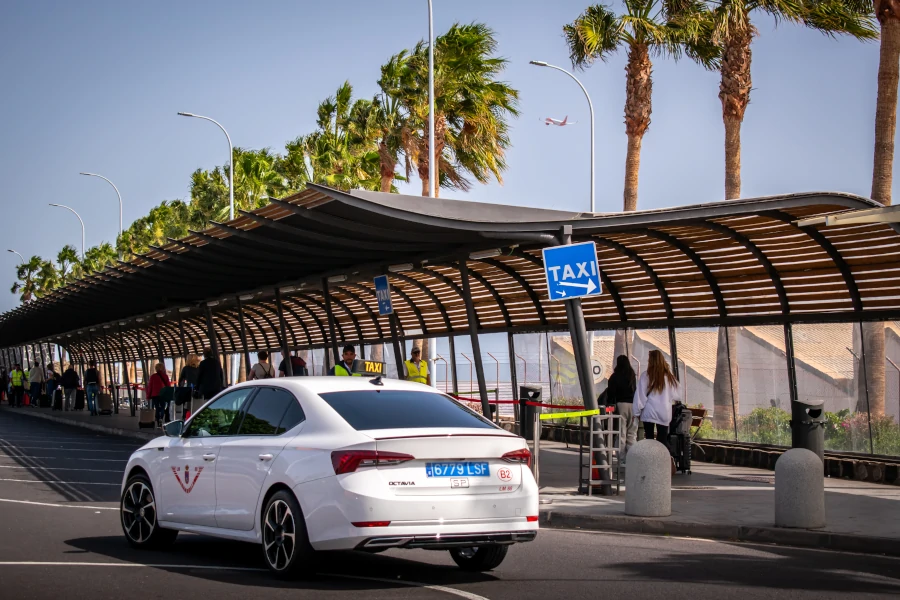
205	551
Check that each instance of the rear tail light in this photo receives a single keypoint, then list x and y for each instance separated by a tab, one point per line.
532	519
372	523
522	456
348	461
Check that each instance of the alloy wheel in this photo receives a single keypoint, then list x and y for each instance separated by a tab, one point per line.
279	535
139	512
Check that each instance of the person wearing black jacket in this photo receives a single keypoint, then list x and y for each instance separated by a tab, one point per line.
620	393
209	375
70	383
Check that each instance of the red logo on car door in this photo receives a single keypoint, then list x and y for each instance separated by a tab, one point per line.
183	475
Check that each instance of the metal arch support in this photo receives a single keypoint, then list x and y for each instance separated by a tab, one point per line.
835	255
160	353
352	316
331	321
535	299
285	351
290	330
196	335
289	306
213	339
758	254
182	338
424	289
415	309
492	291
473	334
243	324
127	382
636	258
372	316
322	326
698	262
253	314
227	327
256	310
226	252
275	243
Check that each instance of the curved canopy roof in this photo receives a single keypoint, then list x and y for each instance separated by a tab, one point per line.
734	262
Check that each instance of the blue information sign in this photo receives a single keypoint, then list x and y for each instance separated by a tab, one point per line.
383	293
572	271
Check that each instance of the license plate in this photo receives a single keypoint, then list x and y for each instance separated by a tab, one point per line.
457	469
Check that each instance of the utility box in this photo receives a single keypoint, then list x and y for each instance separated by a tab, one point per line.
808	426
528	393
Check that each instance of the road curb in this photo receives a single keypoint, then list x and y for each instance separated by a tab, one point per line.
118	431
804	538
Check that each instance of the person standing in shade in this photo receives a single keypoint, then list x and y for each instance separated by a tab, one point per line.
416	368
4	386
620	393
92	386
158	381
52	380
262	369
298	367
657	391
345	367
189	372
209	375
17	380
70	383
37	377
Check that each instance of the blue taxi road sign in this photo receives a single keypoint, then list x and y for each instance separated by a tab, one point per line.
383	293
572	271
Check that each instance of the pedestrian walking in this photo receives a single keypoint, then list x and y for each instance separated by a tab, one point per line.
262	369
209	375
620	393
657	391
17	379
298	367
53	378
4	386
37	377
189	372
416	368
92	383
70	383
155	386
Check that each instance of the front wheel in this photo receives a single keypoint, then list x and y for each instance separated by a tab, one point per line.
286	546
138	510
479	558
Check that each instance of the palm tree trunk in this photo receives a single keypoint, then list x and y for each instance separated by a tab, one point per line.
725	383
638	106
388	165
869	378
734	92
886	104
732	158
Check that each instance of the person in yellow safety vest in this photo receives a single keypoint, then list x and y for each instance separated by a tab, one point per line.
345	367
417	369
17	378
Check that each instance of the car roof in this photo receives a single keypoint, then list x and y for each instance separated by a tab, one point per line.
322	385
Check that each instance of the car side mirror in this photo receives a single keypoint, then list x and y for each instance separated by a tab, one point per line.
174	428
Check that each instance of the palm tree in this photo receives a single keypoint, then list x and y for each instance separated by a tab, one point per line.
646	29
27	274
471	132
255	178
68	266
97	258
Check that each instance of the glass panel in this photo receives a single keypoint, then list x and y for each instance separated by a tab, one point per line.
763	397
265	412
401	409
826	358
697	354
217	418
293	417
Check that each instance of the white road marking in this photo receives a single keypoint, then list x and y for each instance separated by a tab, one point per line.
436	588
14	456
60	469
58	505
59	482
97	564
17	447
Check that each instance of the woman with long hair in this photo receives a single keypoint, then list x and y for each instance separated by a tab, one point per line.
657	391
620	392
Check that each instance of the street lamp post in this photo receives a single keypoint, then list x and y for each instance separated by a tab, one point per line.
22	258
230	161
540	63
117	194
80	220
432	184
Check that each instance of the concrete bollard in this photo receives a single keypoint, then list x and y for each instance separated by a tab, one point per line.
648	480
799	490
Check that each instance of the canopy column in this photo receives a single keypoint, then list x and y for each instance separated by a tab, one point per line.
243	334
282	327
331	325
473	334
213	341
125	378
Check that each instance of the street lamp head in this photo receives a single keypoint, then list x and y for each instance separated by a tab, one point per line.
538	63
187	114
89	174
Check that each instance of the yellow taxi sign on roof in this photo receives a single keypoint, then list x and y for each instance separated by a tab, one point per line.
368	367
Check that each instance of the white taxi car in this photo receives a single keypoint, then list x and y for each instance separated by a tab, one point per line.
304	464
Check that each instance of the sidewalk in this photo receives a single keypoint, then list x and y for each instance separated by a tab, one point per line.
725	502
115	424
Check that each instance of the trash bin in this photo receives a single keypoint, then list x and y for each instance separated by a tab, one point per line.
528	393
808	426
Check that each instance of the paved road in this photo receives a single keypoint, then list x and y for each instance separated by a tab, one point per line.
60	538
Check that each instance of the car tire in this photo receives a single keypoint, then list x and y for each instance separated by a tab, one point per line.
481	558
285	542
137	510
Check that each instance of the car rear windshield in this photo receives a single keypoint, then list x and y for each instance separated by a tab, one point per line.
402	409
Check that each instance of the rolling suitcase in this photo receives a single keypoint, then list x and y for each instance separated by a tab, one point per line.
104	403
44	401
147	418
58	399
79	399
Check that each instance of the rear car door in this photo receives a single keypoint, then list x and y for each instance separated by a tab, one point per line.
186	470
245	459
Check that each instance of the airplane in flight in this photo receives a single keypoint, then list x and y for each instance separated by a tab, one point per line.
557	122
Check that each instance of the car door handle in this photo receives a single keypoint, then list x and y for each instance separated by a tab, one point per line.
209	457
266	457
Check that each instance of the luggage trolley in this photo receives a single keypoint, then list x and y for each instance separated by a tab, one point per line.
680	438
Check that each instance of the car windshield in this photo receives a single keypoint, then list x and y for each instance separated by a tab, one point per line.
402	409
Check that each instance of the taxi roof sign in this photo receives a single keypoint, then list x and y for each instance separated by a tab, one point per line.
372	368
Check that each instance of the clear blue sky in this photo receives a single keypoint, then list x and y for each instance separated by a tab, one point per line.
95	85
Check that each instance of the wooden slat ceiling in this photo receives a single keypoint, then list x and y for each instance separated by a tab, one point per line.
742	262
